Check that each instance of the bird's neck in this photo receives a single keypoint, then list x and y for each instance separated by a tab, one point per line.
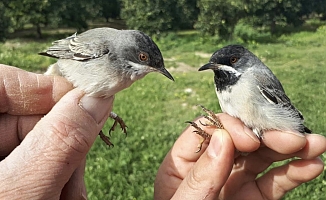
224	80
134	74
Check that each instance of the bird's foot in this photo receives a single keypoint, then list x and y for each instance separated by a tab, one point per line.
200	132
106	139
117	120
213	121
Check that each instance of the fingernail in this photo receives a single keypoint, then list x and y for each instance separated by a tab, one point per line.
97	107
216	143
250	133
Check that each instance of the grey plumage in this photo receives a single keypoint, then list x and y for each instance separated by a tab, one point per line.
247	89
103	61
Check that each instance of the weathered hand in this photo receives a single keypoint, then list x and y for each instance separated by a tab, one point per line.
45	138
219	171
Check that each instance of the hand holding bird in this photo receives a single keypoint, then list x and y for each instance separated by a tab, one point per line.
247	89
104	61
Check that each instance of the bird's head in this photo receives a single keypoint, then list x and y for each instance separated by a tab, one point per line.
140	54
229	63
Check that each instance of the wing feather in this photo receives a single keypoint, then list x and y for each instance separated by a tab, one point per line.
272	90
88	45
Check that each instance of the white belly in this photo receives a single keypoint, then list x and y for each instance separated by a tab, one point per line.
254	110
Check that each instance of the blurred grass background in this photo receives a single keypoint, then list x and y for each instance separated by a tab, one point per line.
155	108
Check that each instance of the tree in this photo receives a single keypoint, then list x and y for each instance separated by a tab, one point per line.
109	9
26	11
185	14
71	13
4	22
219	17
156	16
281	12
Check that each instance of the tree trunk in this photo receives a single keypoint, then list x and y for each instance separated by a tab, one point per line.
273	27
38	30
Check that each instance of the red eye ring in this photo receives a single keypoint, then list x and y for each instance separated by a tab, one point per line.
143	56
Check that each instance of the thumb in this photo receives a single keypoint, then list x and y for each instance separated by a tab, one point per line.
207	177
46	159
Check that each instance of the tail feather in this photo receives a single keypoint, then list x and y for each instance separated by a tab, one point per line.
307	130
60	49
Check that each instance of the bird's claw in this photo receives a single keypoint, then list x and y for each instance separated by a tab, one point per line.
213	121
117	120
200	132
106	139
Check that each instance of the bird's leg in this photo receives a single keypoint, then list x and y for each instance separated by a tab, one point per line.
200	132
105	139
117	120
212	121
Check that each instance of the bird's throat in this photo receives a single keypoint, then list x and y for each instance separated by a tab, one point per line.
224	80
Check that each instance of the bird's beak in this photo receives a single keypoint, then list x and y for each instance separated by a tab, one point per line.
209	66
165	72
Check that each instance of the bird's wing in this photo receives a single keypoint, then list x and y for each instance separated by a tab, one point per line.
272	90
90	44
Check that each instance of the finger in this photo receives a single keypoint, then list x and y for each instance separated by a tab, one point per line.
243	138
278	146
181	157
284	142
177	163
13	129
258	161
278	181
26	93
182	153
53	150
315	146
209	174
75	188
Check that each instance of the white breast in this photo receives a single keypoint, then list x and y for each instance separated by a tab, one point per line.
94	77
245	102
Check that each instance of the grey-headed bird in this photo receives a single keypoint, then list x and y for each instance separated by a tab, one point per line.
104	61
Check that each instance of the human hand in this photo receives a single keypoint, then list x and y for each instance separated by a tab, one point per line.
219	171
49	163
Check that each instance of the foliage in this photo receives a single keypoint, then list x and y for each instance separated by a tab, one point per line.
109	9
155	108
157	16
69	13
4	22
219	17
282	12
27	11
215	18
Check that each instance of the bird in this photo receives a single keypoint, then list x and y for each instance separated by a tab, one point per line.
103	61
248	90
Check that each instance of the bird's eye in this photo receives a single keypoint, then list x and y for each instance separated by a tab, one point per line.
233	60
143	57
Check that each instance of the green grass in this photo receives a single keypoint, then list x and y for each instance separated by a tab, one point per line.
155	108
